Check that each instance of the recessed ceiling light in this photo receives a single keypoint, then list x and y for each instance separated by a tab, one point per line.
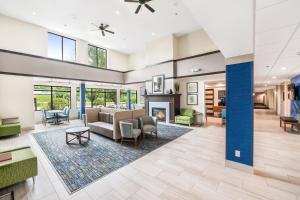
153	34
274	77
283	68
33	13
268	82
196	70
268	66
117	12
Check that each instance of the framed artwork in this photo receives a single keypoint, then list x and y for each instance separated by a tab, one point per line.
192	87
158	84
192	99
142	93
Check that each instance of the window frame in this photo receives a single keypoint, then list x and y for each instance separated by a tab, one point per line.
92	91
97	48
62	47
122	91
51	95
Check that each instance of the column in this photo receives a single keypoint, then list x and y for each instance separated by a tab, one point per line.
82	99
129	99
239	112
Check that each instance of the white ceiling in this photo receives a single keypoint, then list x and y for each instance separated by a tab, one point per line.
229	23
132	31
277	41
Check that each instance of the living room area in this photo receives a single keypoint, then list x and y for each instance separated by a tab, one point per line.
143	99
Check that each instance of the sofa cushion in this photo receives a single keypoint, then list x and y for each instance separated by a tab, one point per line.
102	128
187	112
111	118
104	117
185	118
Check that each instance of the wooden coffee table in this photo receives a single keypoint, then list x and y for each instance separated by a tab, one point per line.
288	120
77	133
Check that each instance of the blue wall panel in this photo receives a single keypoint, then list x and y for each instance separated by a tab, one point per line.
239	112
82	99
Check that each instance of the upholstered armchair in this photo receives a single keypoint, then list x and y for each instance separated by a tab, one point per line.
64	115
149	125
186	117
130	130
47	117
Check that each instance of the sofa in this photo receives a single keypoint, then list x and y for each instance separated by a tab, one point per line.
105	121
186	117
22	166
9	129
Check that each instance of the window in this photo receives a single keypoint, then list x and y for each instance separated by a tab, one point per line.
51	97
61	48
123	96
95	97
97	56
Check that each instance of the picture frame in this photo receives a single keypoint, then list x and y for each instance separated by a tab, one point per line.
192	99
142	93
192	87
158	84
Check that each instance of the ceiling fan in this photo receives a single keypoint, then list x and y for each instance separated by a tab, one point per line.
141	2
102	28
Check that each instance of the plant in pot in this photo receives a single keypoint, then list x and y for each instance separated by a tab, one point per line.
177	87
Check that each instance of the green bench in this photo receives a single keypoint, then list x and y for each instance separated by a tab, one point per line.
22	166
9	129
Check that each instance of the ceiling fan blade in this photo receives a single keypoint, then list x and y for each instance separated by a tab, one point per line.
106	26
95	25
110	31
149	8
132	1
138	9
103	34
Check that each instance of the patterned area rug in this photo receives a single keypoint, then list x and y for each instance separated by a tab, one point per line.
79	165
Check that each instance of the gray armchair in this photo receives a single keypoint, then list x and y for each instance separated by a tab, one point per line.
130	131
149	125
64	116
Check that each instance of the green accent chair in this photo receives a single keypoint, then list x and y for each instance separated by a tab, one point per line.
186	117
9	129
22	166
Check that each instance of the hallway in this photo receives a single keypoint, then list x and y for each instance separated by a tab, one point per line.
276	153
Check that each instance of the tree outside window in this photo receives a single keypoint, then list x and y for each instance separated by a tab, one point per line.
97	56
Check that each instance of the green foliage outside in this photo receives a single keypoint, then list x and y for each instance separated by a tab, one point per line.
97	56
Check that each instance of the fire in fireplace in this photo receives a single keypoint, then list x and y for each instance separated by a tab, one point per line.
160	113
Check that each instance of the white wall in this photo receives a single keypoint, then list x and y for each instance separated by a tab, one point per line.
16	35
16	99
194	43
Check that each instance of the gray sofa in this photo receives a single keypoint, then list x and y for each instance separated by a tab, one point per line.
105	121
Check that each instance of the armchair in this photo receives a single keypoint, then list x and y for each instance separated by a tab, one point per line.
223	116
9	129
187	117
47	117
149	125
130	131
64	115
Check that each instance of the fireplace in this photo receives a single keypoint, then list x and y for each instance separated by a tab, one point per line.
159	113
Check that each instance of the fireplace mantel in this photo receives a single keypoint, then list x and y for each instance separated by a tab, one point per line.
172	99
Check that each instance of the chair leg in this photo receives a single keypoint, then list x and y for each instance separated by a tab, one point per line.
121	140
33	179
135	141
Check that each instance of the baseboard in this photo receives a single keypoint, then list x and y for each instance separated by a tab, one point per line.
266	174
239	166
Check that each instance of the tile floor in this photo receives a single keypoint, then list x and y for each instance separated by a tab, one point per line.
191	167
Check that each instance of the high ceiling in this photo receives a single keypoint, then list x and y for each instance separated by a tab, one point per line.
277	41
74	18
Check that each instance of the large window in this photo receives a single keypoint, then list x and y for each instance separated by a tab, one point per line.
51	97
95	97
61	48
123	96
97	56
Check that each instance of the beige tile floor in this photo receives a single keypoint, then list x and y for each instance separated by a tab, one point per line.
191	167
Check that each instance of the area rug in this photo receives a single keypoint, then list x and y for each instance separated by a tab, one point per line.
79	165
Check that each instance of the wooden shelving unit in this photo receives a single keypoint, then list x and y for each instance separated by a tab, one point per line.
209	101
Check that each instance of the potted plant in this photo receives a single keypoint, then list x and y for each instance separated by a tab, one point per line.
177	87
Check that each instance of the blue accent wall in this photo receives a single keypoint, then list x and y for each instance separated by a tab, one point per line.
82	99
129	99
239	112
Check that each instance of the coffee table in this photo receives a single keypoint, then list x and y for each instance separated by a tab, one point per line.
77	133
288	120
